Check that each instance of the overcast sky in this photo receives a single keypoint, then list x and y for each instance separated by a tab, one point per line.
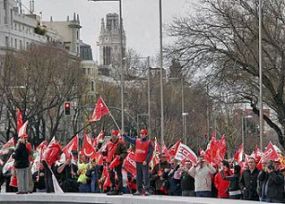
140	17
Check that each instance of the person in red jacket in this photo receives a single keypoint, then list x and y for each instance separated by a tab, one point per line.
221	184
116	151
143	155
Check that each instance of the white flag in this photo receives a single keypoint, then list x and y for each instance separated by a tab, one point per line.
184	152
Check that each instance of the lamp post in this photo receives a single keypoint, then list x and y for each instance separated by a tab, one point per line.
121	61
161	76
260	75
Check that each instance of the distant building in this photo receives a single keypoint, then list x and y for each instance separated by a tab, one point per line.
110	46
18	31
90	70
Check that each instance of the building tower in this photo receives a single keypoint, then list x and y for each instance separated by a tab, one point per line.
110	46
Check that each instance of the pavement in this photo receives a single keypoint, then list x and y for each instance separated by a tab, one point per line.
87	198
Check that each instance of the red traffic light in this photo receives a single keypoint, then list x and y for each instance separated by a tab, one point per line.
67	108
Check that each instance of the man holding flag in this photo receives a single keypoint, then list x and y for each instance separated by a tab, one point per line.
116	151
143	155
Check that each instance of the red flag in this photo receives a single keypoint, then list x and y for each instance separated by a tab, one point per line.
115	162
239	153
99	138
52	152
216	150
87	148
129	164
72	145
99	111
19	119
172	150
23	130
270	153
7	146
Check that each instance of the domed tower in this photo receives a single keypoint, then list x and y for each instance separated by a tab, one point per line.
110	46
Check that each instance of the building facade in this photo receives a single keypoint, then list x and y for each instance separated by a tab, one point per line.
110	46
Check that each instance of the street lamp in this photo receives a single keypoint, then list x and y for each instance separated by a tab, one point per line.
161	76
183	113
260	75
121	61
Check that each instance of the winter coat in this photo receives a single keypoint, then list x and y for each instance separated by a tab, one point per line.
21	156
271	186
203	177
248	184
222	185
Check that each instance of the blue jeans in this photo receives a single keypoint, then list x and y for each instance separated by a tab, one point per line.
84	188
203	194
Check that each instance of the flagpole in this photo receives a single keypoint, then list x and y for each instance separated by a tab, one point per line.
111	115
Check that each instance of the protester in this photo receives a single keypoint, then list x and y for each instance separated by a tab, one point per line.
93	173
39	179
143	155
67	173
187	181
21	156
234	187
222	184
116	152
83	181
202	172
248	181
159	175
271	184
174	178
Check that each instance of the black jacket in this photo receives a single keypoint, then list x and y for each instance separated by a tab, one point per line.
187	182
21	156
248	184
271	186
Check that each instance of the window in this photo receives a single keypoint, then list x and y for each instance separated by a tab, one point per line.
7	41
21	45
16	46
92	86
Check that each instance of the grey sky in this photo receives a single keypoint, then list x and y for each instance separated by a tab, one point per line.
140	17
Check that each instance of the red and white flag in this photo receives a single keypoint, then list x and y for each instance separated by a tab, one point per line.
270	153
19	119
184	152
173	149
23	130
7	146
72	145
99	138
87	149
100	110
129	164
239	154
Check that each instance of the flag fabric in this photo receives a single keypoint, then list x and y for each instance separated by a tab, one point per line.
100	110
173	149
184	152
19	119
72	145
87	149
99	138
239	154
8	165
129	164
52	152
7	146
22	133
270	153
216	150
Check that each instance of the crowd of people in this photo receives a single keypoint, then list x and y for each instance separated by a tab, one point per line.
169	176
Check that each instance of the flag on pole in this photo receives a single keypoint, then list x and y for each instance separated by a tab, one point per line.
100	110
87	149
184	152
7	146
239	154
23	130
19	119
72	145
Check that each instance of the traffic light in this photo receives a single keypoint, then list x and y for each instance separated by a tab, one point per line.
67	108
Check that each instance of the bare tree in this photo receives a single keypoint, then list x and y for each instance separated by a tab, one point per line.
38	81
222	42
